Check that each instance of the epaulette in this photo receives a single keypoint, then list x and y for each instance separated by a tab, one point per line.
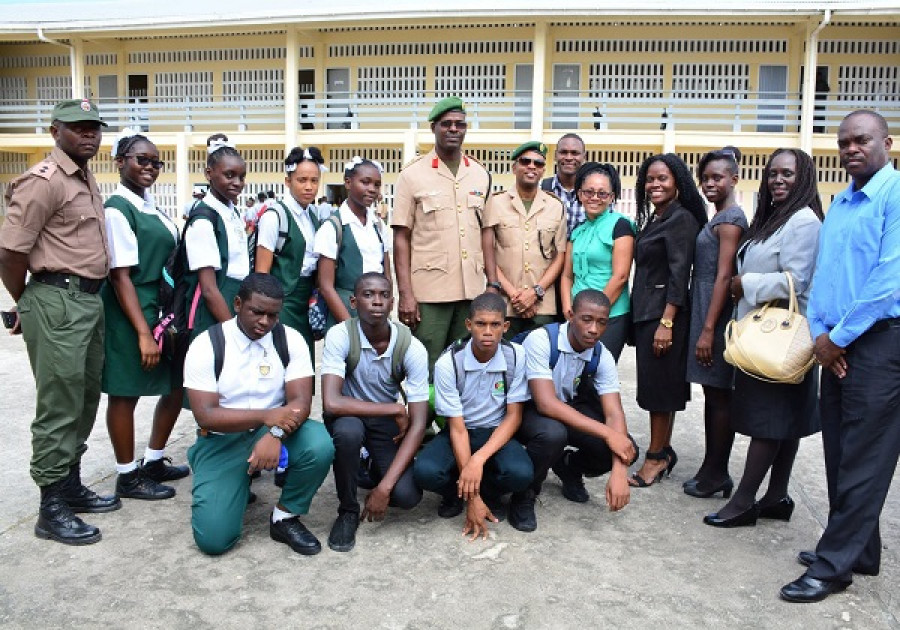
44	168
552	194
414	160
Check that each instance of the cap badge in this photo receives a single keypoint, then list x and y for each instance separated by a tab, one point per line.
86	105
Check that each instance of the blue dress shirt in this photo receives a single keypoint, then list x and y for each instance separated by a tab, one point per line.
857	278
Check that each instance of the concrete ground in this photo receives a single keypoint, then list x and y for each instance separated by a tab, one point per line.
655	564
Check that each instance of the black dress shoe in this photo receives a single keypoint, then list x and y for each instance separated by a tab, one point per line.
294	534
747	518
450	507
138	485
521	511
694	489
572	481
343	532
778	511
160	470
56	521
808	558
805	589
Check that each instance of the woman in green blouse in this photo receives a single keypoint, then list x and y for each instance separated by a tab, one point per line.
601	252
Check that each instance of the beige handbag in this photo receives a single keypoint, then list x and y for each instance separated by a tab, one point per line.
770	343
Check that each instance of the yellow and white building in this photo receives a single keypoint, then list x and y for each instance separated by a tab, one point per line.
359	78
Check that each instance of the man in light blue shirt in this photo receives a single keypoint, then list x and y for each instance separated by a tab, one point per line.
854	316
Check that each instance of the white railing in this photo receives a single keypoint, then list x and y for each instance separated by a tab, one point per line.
748	112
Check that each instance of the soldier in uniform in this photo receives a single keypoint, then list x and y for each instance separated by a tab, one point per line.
55	229
528	227
439	254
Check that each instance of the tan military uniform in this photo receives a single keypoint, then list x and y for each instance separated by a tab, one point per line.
526	241
55	215
444	215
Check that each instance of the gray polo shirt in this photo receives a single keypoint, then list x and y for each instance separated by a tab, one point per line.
567	373
371	380
483	400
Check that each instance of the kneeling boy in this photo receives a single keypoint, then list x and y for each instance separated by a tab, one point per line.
363	363
480	388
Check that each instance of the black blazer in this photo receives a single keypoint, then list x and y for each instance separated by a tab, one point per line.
663	253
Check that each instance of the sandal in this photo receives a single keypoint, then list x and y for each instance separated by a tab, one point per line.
640	482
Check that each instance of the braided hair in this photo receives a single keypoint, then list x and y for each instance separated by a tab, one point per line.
688	195
769	218
298	155
590	168
216	156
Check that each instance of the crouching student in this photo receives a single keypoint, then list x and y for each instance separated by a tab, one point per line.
364	361
575	401
480	388
249	381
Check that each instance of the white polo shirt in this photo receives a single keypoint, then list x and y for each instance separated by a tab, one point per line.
567	373
482	404
121	240
200	241
370	247
371	380
252	374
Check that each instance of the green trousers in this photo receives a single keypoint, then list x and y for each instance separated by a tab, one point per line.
440	325
222	485
63	332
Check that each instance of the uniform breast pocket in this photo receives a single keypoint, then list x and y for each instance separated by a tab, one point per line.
436	210
547	240
475	208
88	229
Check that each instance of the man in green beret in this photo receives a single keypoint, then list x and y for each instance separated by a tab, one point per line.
55	230
528	234
439	253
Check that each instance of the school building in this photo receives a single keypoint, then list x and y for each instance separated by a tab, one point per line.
359	78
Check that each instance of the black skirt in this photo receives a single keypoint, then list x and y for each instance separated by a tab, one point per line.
662	382
776	411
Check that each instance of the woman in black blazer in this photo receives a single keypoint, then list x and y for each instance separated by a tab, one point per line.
670	213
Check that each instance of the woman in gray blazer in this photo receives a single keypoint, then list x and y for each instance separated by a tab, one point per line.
783	237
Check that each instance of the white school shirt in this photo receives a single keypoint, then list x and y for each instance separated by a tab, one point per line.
267	229
252	374
371	380
569	366
121	240
483	400
200	241
370	247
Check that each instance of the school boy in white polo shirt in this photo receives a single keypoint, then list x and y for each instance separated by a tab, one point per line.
566	411
482	416
256	404
361	407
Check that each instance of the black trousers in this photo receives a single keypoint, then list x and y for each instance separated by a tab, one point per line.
861	438
545	439
377	435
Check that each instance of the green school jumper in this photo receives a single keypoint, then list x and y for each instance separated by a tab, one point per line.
348	269
122	371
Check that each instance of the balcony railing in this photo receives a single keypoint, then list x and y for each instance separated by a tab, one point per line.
744	112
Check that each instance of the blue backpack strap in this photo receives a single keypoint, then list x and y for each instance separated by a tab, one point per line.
217	338
553	333
590	368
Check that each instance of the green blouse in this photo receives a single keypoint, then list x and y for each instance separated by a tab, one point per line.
592	247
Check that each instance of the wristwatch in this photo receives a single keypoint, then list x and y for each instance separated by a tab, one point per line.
495	285
539	291
276	432
665	323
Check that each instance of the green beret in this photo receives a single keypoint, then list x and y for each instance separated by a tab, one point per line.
446	105
534	145
77	110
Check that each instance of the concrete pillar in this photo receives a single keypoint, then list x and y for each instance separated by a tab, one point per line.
76	60
808	104
291	89
541	33
409	146
182	170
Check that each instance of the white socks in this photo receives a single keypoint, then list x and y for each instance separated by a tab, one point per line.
280	515
123	469
151	455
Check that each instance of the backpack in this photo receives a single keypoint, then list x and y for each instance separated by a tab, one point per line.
509	353
335	220
217	338
590	368
401	345
172	329
281	210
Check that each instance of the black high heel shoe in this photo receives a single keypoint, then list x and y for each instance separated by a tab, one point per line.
640	482
726	488
671	458
779	511
747	518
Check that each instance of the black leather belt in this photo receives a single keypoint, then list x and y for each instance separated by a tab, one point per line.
883	324
64	280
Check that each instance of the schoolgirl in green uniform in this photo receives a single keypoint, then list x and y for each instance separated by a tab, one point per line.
140	237
361	247
285	238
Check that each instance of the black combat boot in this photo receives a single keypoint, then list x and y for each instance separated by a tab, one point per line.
81	499
56	521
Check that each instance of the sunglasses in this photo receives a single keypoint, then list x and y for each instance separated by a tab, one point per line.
602	195
524	161
143	160
449	124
